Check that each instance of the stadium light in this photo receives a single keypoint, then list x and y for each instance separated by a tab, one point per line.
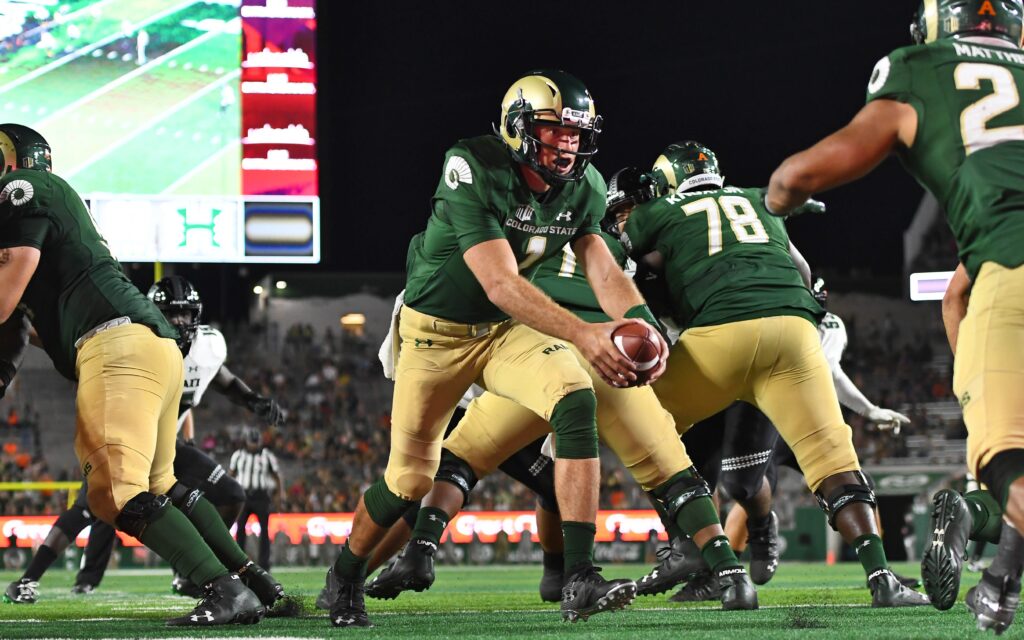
258	290
353	320
281	284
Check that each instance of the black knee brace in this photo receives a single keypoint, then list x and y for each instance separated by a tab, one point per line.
454	470
140	511
1001	471
183	497
679	490
844	496
411	514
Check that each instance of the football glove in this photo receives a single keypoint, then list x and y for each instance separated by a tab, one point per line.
266	409
886	419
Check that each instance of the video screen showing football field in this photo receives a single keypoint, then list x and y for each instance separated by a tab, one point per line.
134	96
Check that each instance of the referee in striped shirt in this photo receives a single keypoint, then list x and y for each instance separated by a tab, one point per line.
255	468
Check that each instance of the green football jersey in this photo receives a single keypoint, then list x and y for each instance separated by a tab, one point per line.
562	278
726	258
77	284
969	146
482	196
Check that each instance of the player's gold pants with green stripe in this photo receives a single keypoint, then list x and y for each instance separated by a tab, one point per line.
631	422
777	365
988	373
129	387
438	360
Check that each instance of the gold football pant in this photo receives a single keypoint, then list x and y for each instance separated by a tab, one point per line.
777	365
438	360
988	372
631	422
129	387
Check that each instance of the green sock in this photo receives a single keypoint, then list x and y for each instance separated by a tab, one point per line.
870	552
430	524
554	561
986	516
349	566
579	544
210	525
696	515
176	540
719	554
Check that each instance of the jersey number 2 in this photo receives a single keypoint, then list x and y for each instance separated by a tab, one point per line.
973	120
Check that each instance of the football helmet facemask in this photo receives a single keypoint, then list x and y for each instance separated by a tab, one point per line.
948	18
628	187
173	295
23	148
554	98
684	166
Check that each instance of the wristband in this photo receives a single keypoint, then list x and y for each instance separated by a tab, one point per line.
643	312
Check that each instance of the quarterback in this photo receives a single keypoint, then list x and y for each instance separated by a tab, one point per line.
503	204
949	107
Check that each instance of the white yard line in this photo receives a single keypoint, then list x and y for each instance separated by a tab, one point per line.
78	53
149	124
128	77
202	165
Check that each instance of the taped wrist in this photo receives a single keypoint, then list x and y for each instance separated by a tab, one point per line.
845	495
574	420
383	506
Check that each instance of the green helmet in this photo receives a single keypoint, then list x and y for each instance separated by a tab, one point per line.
553	97
686	165
947	18
23	148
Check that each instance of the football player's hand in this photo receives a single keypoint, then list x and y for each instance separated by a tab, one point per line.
269	411
887	419
811	206
663	348
595	343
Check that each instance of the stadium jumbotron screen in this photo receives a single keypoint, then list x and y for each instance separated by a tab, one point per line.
187	125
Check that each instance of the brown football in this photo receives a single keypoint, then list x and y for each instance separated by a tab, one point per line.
637	342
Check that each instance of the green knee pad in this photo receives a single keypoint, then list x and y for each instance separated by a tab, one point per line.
574	420
384	507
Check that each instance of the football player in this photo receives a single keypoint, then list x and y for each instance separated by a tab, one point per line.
630	422
503	204
100	331
205	352
949	107
749	334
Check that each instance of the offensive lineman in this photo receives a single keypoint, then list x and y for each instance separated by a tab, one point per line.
471	315
949	107
749	334
100	331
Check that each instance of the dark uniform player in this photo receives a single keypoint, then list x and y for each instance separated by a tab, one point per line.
630	422
471	315
100	331
950	107
749	334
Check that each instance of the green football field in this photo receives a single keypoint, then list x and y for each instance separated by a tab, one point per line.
128	115
804	600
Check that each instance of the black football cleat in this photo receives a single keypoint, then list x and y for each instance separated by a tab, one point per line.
412	570
702	587
886	591
83	588
23	591
185	587
994	601
736	591
329	593
349	608
226	600
587	593
677	562
551	585
946	548
764	550
269	591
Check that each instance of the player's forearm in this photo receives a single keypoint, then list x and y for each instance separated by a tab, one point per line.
849	395
801	264
529	305
188	428
616	293
233	388
954	305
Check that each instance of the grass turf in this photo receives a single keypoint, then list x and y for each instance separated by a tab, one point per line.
496	602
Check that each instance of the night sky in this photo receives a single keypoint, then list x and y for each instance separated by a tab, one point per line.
401	81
